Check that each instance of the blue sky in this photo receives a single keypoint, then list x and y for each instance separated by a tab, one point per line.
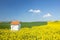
29	10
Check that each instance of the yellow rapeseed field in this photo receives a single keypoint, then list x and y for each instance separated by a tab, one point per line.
50	31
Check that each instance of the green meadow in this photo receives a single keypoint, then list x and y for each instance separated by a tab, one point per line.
6	25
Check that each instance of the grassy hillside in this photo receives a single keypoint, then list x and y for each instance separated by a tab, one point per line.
30	24
4	25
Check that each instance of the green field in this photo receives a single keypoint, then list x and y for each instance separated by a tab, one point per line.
6	25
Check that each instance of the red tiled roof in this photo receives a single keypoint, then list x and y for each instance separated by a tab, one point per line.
15	22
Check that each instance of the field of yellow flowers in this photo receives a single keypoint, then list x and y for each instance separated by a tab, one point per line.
50	31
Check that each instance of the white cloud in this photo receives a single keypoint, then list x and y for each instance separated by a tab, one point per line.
34	11
47	15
